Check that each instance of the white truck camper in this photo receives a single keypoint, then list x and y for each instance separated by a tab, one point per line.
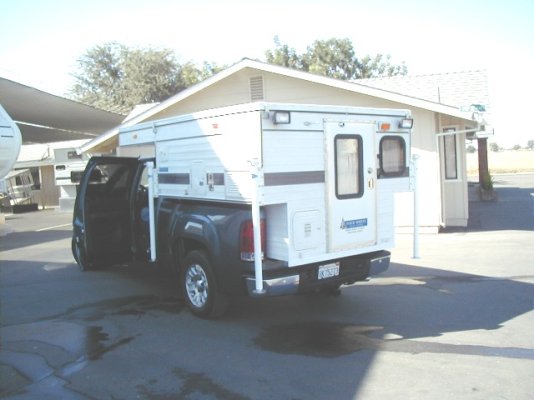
323	178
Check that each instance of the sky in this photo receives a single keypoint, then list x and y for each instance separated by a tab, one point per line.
41	40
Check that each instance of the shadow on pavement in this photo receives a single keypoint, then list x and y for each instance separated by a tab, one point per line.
16	240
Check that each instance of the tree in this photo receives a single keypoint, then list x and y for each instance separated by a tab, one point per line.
471	149
380	65
494	147
530	144
116	78
335	58
283	55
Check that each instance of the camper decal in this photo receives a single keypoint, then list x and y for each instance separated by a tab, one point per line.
354	225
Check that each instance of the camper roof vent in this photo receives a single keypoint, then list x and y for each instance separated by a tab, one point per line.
256	88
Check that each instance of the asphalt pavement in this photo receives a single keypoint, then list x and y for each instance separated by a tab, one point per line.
455	323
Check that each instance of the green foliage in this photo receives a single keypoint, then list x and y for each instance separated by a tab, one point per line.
471	149
487	182
283	55
116	78
530	144
380	65
334	58
494	147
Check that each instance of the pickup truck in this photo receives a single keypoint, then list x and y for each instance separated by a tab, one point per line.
209	245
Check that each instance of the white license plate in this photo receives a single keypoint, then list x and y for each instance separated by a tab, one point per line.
328	271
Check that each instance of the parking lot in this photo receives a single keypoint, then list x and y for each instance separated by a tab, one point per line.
458	322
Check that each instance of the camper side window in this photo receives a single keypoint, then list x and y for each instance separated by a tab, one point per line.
348	156
392	156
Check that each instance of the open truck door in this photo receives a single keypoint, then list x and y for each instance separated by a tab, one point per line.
108	223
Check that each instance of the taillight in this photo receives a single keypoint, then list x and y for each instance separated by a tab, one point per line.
246	240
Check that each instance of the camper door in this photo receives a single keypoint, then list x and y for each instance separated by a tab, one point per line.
350	185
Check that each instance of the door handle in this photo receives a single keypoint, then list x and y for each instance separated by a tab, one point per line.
371	183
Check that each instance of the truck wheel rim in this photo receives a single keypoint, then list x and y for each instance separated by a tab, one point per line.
196	284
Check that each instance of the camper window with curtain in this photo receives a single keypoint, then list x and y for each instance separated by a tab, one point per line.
348	156
392	156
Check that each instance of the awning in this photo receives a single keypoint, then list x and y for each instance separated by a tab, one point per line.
43	117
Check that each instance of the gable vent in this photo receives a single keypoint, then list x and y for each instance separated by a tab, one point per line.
256	88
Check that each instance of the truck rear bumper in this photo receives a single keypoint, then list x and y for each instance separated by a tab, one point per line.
275	286
293	280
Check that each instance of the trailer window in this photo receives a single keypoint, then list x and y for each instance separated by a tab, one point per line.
392	156
348	168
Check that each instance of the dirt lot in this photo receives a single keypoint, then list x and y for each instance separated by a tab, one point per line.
508	161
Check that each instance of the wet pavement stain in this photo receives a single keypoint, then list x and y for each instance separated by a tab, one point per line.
47	353
137	306
190	385
318	339
331	339
198	385
95	346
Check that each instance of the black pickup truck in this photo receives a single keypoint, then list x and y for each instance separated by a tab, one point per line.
208	244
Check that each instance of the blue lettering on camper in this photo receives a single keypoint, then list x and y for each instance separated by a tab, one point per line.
353	224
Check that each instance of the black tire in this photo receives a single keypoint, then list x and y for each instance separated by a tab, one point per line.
200	288
79	257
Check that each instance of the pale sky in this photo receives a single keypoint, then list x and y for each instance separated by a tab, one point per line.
40	40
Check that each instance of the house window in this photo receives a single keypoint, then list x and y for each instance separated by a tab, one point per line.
392	156
348	166
450	154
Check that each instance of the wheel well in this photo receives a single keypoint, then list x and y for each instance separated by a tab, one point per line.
185	246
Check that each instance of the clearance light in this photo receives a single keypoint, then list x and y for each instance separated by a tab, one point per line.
406	123
281	117
385	126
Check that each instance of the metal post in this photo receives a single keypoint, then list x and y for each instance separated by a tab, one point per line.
151	211
256	224
415	159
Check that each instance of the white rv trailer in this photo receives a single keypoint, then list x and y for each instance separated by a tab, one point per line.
10	142
68	166
323	176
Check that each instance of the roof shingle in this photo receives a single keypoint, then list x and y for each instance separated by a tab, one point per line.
457	89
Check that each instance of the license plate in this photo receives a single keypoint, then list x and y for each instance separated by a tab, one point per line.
328	271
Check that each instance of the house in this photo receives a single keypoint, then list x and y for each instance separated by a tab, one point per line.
441	119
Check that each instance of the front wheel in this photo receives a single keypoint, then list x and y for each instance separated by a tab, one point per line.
78	255
200	288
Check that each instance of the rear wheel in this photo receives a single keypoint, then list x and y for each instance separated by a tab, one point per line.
200	288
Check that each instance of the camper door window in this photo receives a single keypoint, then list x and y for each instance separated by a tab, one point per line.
348	166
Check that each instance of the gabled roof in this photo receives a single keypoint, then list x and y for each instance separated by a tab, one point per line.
457	89
43	117
355	87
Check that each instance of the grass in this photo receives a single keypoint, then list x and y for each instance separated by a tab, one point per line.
503	162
